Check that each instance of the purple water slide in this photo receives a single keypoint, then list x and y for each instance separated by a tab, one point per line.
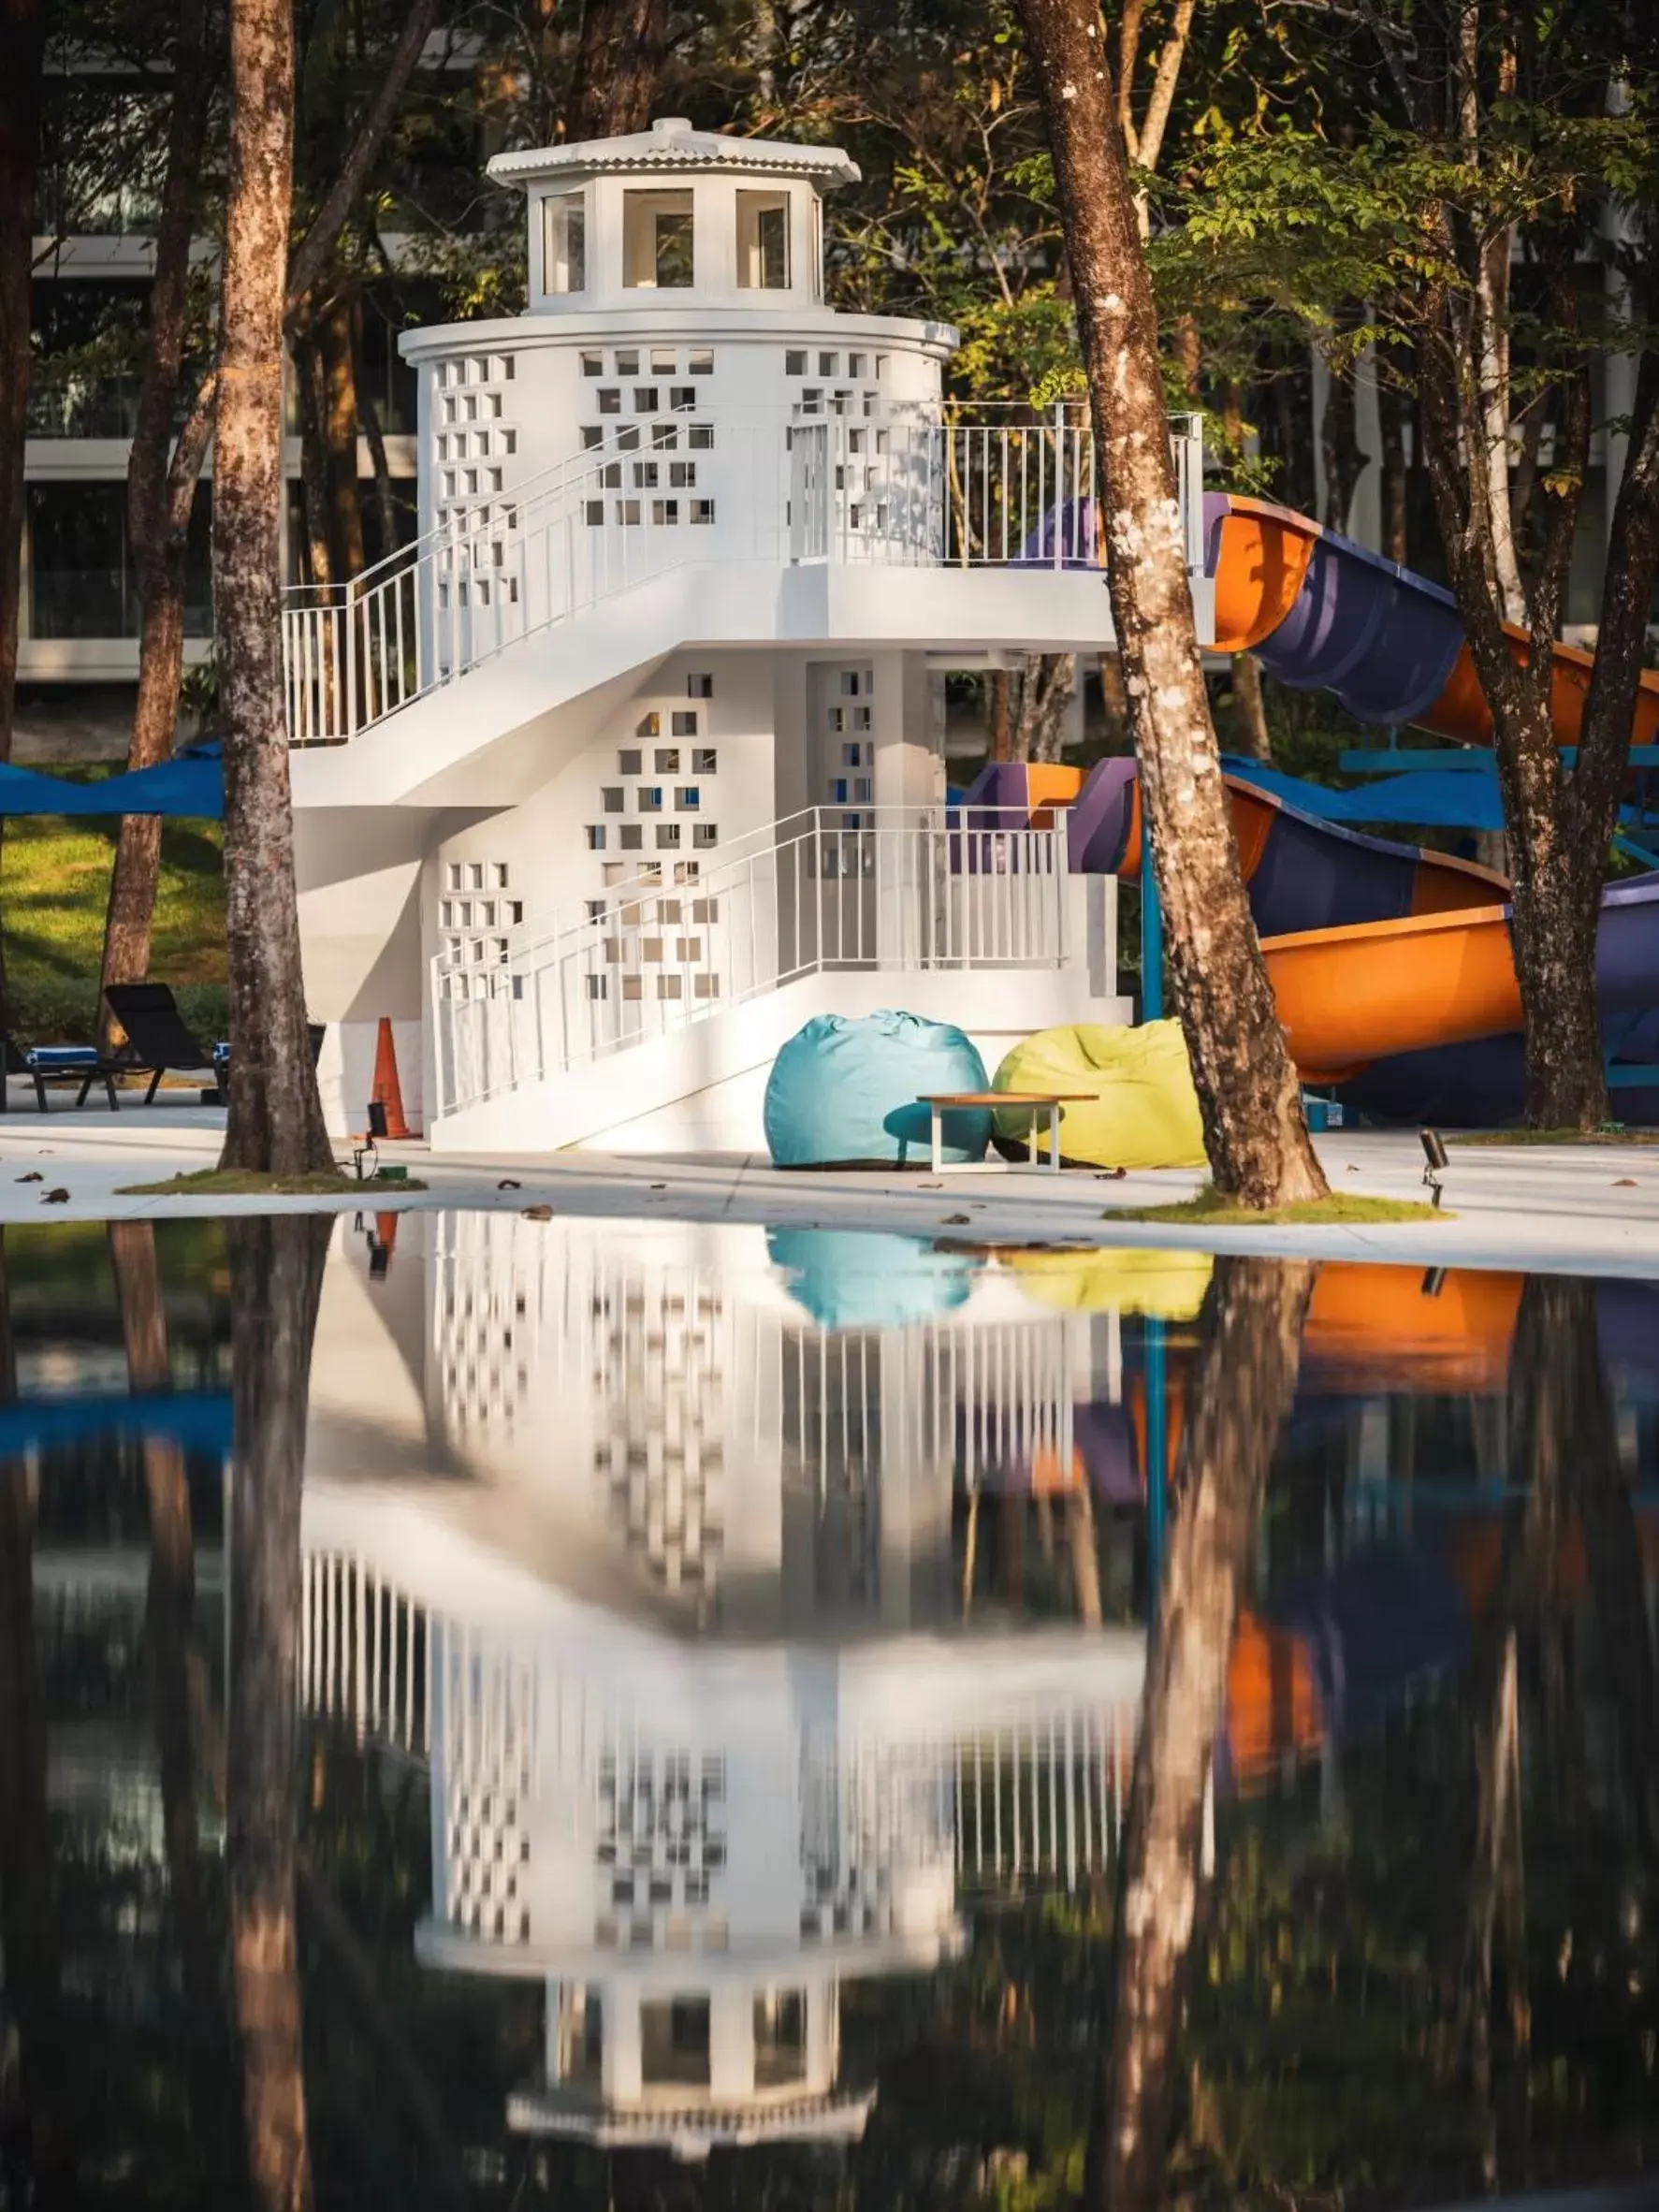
1379	637
1310	875
1098	822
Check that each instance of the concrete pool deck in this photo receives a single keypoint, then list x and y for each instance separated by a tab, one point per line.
1586	1208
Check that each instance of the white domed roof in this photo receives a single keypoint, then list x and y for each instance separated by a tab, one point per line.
672	144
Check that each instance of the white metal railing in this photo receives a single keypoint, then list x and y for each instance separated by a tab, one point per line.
878	888
645	500
1002	493
918	488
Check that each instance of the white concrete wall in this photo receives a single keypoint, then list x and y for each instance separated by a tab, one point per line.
701	1087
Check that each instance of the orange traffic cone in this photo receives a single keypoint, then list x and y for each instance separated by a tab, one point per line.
387	1091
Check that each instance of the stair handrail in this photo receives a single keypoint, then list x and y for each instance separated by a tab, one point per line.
564	474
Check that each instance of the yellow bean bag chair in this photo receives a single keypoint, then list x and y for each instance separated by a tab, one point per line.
1141	1112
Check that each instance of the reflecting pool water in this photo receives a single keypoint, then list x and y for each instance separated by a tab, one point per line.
504	1710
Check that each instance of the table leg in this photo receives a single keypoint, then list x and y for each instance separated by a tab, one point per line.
1054	1140
937	1141
1031	1153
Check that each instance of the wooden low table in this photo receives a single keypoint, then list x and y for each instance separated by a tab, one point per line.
940	1103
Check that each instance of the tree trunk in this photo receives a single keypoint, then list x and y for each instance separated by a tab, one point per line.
339	428
1558	825
999	715
276	1267
1393	409
22	50
275	1121
619	58
1243	1387
1339	436
1255	738
1254	1131
385	507
158	546
1041	690
307	354
1115	703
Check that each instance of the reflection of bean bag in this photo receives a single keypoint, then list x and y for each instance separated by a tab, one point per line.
1170	1285
845	1093
849	1278
1144	1112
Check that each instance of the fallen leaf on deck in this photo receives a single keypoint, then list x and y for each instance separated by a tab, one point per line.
509	1185
34	1175
956	1221
1625	1183
538	1212
55	1198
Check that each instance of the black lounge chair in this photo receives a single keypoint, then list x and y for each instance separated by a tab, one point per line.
66	1063
157	1036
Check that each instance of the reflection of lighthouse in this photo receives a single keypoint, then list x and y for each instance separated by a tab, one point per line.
694	1847
753	1432
694	1842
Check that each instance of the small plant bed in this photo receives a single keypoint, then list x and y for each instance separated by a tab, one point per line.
1613	1132
1208	1209
247	1183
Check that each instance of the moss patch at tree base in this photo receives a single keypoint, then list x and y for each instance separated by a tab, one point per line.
1208	1209
1611	1132
247	1182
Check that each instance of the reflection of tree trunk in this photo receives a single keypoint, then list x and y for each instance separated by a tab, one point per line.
28	1916
276	1280
1243	1388
1086	1557
1612	1549
1498	1881
355	1971
1558	1414
170	1610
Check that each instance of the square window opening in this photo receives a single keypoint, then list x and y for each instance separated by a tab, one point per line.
657	241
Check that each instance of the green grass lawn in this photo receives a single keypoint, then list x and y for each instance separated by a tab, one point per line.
54	885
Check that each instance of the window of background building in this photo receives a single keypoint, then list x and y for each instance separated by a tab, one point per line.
763	242
564	242
82	582
657	241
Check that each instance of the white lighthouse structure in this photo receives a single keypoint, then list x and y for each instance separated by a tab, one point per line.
633	759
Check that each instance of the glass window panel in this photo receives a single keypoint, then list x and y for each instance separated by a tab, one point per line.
763	242
564	243
657	241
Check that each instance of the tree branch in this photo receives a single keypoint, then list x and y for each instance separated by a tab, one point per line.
318	242
1163	85
189	453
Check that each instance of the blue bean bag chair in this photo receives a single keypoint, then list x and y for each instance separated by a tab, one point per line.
844	1094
